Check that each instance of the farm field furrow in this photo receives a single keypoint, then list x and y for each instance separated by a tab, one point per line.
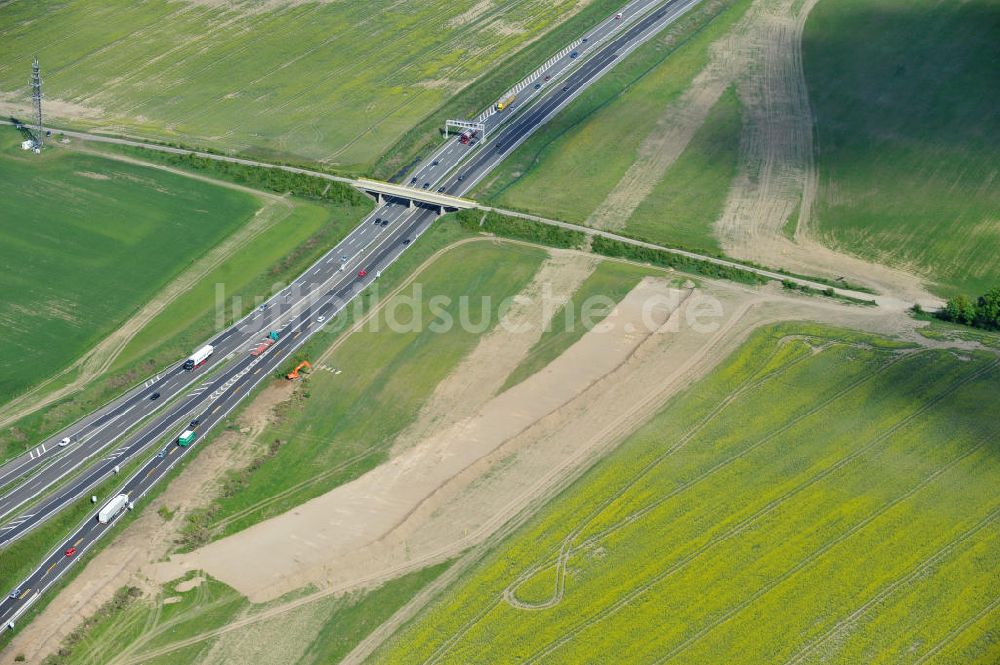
904	96
818	494
333	82
568	168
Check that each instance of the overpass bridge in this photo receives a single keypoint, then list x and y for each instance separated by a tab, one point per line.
443	202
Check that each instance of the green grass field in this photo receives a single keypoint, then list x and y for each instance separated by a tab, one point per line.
569	166
341	425
87	242
904	93
822	496
250	275
336	82
611	281
691	195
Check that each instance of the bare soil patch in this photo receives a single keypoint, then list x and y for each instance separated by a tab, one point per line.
481	374
465	482
762	56
337	536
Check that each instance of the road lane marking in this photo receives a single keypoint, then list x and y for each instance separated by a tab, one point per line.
27	591
172	451
49	569
77	542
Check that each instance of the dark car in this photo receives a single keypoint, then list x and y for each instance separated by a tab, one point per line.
385	222
574	54
547	77
440	189
194	423
154	396
565	88
406	241
435	163
584	40
537	86
426	185
413	180
377	221
461	177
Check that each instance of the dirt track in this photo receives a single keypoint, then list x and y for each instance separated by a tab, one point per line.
762	57
457	478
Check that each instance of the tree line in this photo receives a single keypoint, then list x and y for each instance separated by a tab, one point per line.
983	313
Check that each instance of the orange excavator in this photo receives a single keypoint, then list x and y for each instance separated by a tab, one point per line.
295	372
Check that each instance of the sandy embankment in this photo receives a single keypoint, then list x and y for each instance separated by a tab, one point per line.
325	539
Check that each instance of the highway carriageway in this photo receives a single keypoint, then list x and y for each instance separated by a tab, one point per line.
95	432
232	385
93	437
482	161
407	224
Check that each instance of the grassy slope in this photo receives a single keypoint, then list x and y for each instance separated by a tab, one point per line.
610	282
568	168
691	195
850	481
342	424
275	257
82	253
338	82
254	273
904	93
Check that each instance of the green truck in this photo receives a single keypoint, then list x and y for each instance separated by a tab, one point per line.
186	438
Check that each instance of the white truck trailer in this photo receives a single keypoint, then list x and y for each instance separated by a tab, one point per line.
199	357
112	508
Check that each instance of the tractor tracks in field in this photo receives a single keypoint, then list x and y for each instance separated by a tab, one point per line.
568	548
746	523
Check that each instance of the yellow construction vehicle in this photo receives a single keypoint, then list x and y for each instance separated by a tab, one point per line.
504	103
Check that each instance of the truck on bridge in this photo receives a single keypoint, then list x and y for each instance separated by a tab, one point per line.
467	136
112	508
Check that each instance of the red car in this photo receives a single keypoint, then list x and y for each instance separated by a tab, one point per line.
362	272
71	551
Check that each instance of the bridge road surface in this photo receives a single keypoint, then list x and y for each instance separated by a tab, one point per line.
94	432
413	223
